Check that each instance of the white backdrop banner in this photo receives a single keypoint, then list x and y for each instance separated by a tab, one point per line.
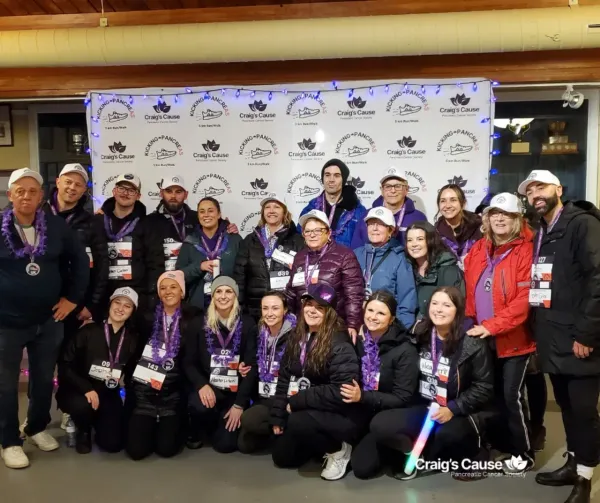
241	145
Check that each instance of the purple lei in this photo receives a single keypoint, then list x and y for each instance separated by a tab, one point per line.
31	251
268	243
127	229
210	336
459	253
160	334
344	220
264	360
370	363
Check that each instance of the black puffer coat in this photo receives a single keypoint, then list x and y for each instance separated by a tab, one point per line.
324	393
251	272
399	371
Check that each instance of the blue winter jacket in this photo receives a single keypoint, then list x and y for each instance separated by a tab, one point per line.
394	275
411	215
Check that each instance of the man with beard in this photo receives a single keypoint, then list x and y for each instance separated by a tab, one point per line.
339	202
565	304
135	251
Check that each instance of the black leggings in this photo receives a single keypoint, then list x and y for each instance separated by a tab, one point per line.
108	421
146	435
212	422
537	396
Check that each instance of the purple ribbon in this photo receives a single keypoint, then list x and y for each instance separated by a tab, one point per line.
434	354
268	243
171	338
33	251
538	244
459	253
235	334
113	359
370	363
309	272
303	352
127	229
180	232
400	217
266	358
493	262
53	203
217	250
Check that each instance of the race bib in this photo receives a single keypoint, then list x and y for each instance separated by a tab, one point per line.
171	251
120	255
540	294
279	279
208	288
217	360
293	387
298	279
150	373
100	370
224	378
283	258
267	389
88	250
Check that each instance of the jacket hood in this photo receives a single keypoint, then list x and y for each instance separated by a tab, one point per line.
349	198
444	259
408	202
80	206
394	244
526	236
340	337
469	226
394	337
284	232
139	209
573	209
194	238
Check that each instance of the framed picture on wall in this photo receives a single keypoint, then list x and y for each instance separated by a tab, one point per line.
6	132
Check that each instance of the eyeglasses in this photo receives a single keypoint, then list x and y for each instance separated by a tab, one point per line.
126	190
316	232
390	187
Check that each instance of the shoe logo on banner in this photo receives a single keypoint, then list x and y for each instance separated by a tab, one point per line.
208	109
256	147
211	185
356	144
460	109
304	107
455	145
304	186
161	148
416	182
113	114
406	106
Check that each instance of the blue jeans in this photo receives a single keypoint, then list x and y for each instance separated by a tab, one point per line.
42	343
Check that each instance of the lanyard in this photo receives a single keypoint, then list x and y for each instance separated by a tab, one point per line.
493	262
303	352
435	357
309	272
267	242
168	333
125	230
269	356
401	216
370	270
180	232
225	342
538	244
29	248
113	359
332	212
54	209
216	251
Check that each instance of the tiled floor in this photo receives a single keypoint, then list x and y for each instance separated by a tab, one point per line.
200	476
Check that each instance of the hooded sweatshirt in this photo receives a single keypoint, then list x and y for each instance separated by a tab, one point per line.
461	239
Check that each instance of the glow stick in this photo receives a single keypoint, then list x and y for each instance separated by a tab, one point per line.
428	424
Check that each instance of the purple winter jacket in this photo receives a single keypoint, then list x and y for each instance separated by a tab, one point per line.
340	269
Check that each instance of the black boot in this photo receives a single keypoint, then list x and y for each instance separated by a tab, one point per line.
83	441
564	476
581	492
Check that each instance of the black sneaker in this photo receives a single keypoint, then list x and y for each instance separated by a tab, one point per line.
538	438
193	443
83	441
566	475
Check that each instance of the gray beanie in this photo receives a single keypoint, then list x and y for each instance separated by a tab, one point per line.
224	281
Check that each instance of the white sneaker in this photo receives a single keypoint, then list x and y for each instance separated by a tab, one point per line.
65	420
44	441
22	428
337	463
14	457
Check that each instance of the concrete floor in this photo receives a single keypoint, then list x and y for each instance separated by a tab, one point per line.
66	477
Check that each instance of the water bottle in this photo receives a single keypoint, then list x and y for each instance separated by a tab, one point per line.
71	433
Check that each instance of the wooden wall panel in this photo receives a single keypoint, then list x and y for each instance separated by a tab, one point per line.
507	68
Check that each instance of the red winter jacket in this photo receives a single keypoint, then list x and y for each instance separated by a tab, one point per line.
511	284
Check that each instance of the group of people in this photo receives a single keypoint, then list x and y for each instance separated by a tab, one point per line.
333	337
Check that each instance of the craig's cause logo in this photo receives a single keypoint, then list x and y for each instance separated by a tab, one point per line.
211	152
107	186
258	112
304	187
162	114
356	109
407	149
305	108
259	191
114	113
118	154
459	107
359	185
211	185
307	149
209	111
355	146
250	222
407	106
163	149
456	145
258	149
462	183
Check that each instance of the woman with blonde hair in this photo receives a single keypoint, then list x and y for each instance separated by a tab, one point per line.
211	364
266	255
498	276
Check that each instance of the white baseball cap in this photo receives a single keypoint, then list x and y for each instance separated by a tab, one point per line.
317	215
127	292
392	172
174	181
75	168
16	175
506	202
383	214
537	175
273	197
129	178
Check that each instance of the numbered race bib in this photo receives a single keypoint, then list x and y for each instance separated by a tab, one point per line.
217	362
120	255
293	387
100	370
224	378
298	279
267	389
286	259
149	373
377	376
434	387
171	251
279	279
540	294
88	250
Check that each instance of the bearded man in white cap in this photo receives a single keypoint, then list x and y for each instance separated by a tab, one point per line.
565	300
44	273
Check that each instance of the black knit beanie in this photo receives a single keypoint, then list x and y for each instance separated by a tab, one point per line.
340	164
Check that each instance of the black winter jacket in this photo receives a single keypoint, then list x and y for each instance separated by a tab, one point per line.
92	237
574	315
324	393
161	223
89	347
197	368
147	261
399	371
251	272
171	399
